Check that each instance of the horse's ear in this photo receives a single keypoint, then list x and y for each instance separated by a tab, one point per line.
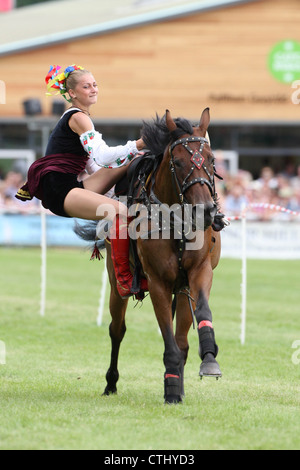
169	121
205	120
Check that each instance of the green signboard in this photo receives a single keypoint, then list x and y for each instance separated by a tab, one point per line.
284	61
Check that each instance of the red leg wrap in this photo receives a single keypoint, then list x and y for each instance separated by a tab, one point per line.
120	256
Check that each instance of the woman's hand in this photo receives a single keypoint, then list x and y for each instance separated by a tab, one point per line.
140	144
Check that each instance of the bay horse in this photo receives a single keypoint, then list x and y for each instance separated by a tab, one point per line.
186	175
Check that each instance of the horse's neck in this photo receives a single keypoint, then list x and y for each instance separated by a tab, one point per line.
163	186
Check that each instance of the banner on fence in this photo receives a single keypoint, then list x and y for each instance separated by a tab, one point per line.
25	230
265	240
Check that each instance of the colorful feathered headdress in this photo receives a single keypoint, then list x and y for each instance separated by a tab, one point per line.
56	81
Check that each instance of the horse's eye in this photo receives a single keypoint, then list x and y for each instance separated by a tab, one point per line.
178	163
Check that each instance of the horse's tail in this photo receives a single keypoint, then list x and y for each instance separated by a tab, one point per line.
88	232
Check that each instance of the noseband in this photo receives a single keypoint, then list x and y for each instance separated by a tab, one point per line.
198	161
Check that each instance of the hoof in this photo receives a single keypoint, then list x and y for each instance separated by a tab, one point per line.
173	400
112	377
109	391
210	367
172	388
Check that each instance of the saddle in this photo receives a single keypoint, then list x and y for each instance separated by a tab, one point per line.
137	175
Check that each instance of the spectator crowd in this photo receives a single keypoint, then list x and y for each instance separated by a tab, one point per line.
264	194
9	185
235	192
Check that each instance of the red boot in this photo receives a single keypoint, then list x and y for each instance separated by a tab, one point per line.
120	244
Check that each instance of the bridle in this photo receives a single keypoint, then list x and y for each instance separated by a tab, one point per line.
198	161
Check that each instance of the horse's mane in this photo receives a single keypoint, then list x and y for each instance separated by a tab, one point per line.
157	136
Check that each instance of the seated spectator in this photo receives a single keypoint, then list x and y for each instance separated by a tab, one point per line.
294	203
12	183
295	181
8	202
267	179
235	201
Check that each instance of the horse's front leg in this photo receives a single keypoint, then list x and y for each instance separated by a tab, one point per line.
117	329
183	324
161	296
200	282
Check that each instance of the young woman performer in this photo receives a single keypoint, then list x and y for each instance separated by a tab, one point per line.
75	146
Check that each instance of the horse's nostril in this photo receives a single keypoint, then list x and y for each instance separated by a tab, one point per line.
209	214
213	211
210	209
203	215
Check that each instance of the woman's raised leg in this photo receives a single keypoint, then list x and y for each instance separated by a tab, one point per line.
85	204
103	180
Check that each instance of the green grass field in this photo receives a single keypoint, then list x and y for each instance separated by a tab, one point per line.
51	384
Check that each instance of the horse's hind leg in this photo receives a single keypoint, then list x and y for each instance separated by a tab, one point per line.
117	330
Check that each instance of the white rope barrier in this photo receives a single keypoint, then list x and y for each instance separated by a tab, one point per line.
264	206
273	207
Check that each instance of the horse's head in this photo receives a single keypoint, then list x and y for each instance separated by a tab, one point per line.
192	165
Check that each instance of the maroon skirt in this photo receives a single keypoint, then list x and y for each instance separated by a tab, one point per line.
52	190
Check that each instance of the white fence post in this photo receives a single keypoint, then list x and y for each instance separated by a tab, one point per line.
102	296
44	260
244	278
